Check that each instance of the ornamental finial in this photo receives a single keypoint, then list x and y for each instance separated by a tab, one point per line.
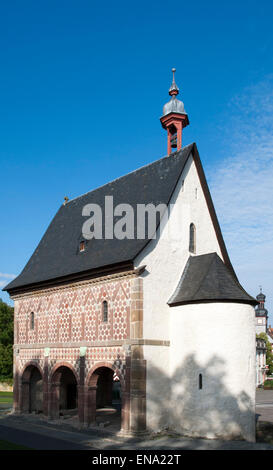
174	90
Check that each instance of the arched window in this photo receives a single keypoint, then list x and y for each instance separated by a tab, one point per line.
32	321
192	242
200	382
105	311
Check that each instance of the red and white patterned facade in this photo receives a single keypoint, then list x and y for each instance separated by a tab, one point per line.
69	330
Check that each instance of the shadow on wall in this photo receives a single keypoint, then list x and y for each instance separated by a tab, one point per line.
199	402
194	401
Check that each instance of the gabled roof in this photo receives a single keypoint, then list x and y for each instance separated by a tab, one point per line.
207	279
57	257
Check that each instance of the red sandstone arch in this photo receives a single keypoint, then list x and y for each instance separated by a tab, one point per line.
62	364
97	371
31	388
26	373
55	386
109	366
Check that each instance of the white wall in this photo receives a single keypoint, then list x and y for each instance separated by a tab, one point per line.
165	259
158	387
218	341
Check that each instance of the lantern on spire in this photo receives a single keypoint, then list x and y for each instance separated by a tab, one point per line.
174	118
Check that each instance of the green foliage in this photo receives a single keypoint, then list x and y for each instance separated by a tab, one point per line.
268	383
269	354
6	380
6	340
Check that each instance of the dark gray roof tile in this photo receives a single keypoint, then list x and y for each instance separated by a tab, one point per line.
207	279
57	254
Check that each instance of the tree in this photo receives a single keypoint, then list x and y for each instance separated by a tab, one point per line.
269	354
6	340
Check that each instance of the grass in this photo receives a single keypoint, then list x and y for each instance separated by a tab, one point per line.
6	397
5	445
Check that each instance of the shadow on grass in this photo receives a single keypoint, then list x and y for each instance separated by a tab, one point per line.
5	445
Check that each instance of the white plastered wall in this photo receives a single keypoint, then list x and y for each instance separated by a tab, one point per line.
165	260
216	340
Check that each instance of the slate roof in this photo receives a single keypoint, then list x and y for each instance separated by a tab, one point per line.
206	278
57	258
58	255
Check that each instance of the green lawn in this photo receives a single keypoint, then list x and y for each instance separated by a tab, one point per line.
5	445
6	397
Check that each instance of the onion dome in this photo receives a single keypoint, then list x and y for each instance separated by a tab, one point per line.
174	105
260	310
261	297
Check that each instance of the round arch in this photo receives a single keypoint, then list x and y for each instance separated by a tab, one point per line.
63	390
99	390
57	366
26	372
109	366
31	388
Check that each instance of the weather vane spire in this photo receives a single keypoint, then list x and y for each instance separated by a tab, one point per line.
174	90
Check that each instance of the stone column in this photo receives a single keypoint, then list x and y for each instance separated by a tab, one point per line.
16	386
138	391
137	364
81	388
45	387
24	396
54	399
125	395
90	404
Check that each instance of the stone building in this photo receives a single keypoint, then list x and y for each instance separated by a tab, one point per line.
164	314
261	366
261	314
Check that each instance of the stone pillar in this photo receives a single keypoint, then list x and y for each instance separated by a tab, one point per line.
136	320
16	385
16	402
136	384
24	396
54	399
45	388
81	390
90	404
125	396
138	391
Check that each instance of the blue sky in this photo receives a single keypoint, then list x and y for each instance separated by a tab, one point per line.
82	86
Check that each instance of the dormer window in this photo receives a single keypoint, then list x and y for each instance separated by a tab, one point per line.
82	246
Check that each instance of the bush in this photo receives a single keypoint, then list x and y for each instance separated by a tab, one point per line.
6	361
5	380
268	384
6	340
